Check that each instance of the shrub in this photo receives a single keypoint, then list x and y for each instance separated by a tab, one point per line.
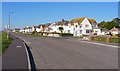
118	35
66	34
34	32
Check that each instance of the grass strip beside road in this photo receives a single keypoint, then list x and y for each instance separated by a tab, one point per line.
4	43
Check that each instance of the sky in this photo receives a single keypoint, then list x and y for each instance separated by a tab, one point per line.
35	13
60	0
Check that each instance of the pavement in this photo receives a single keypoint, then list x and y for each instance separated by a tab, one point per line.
15	57
61	53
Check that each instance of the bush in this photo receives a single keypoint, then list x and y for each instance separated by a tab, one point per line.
95	34
97	38
118	35
66	34
84	35
114	36
34	32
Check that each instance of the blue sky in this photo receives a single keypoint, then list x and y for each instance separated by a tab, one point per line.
35	13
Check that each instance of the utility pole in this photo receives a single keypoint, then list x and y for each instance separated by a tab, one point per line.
9	26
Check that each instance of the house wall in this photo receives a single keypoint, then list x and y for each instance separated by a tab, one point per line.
76	31
98	31
38	29
81	29
70	29
33	29
30	30
114	32
22	30
104	33
84	27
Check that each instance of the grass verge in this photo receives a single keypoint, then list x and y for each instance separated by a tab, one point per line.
4	42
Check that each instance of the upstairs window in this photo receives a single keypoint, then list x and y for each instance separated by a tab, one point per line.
76	26
86	26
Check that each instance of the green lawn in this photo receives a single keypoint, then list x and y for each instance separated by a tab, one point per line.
4	42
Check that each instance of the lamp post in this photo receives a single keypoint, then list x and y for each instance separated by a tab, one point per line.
9	25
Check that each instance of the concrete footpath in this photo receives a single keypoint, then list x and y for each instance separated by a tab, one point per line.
15	57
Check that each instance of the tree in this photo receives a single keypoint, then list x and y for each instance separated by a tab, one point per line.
101	25
110	24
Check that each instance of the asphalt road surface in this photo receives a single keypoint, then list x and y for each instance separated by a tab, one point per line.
64	53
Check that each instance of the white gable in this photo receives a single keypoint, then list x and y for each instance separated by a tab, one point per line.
85	21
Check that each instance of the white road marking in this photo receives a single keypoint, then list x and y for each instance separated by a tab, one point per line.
29	65
18	46
101	44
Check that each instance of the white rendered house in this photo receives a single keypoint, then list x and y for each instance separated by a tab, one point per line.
28	29
86	27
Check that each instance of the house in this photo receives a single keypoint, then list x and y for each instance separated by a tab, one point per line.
22	30
46	27
104	31
36	28
41	28
59	27
114	31
16	30
27	29
85	26
70	28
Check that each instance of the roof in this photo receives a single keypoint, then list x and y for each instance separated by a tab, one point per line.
36	26
29	27
104	29
79	20
114	29
65	22
17	28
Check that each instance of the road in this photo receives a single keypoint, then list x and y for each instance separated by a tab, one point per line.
61	53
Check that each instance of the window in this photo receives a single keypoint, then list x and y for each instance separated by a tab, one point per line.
76	26
80	26
80	31
87	31
86	26
96	31
68	31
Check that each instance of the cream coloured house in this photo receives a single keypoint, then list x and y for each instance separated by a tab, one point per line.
115	31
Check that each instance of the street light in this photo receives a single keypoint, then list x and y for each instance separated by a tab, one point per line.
9	25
